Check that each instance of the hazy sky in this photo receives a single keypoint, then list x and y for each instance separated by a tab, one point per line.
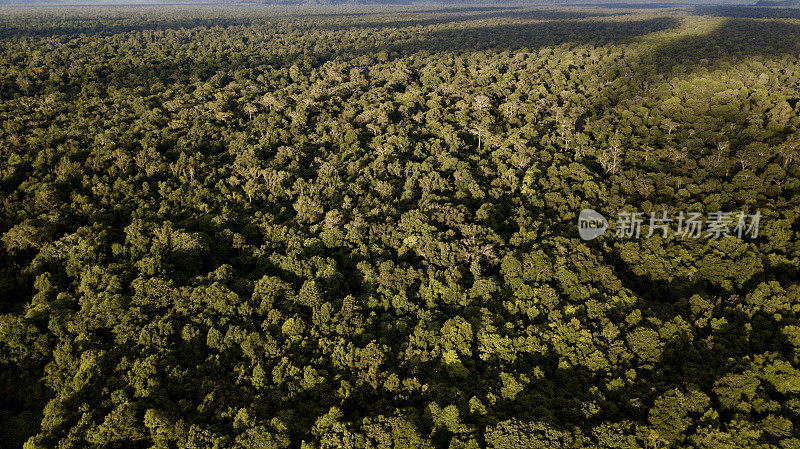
266	2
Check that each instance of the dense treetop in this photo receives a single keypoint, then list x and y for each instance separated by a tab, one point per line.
246	228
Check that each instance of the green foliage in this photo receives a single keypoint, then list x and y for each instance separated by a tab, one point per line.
254	228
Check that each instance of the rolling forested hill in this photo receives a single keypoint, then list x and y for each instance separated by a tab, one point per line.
258	228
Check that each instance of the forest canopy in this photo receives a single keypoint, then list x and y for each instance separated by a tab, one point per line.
255	227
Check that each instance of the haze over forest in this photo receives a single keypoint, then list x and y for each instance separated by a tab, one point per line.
634	3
